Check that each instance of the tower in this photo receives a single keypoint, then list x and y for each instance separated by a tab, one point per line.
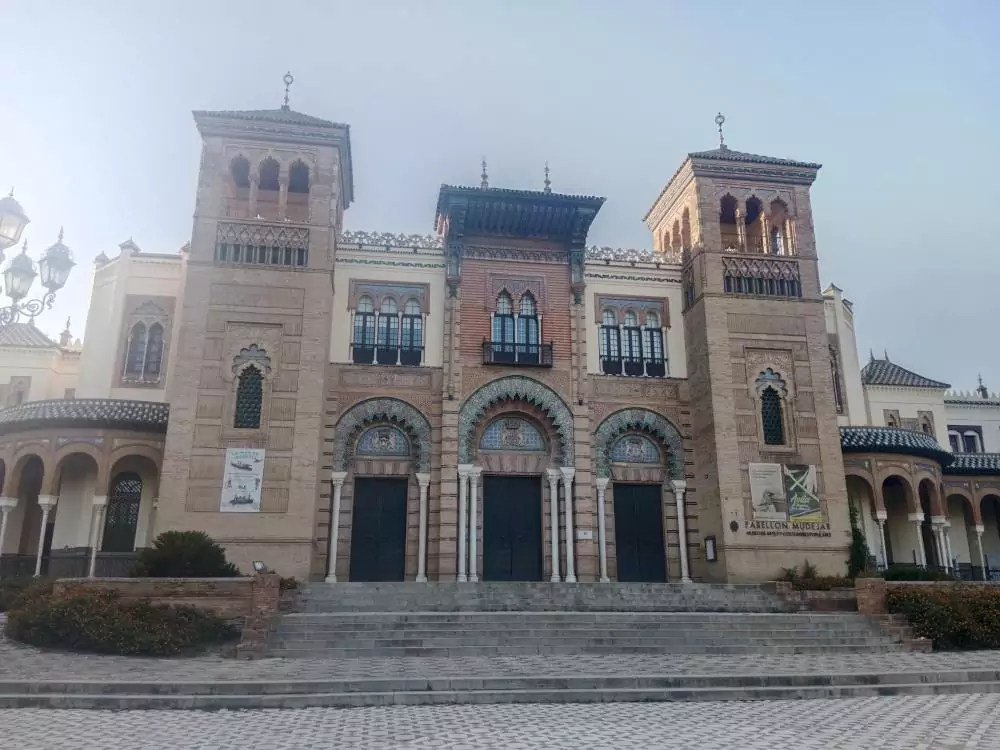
769	472
255	327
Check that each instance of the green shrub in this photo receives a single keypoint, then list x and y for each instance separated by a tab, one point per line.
953	617
184	554
102	623
857	558
823	583
808	570
13	590
288	584
913	573
789	574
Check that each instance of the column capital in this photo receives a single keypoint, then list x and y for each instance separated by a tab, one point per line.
938	520
881	514
915	517
477	471
568	472
8	503
553	473
602	483
679	485
423	480
47	502
464	470
980	528
337	477
100	501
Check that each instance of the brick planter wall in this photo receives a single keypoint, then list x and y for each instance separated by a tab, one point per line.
226	597
834	600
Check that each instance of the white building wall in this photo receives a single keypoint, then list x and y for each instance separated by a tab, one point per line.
669	287
908	402
971	410
840	322
962	549
52	370
74	509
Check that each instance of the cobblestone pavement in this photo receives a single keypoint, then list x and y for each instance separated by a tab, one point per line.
954	722
19	662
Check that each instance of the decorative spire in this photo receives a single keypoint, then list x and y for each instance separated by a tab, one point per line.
11	193
871	355
66	337
982	388
485	177
720	120
289	79
60	234
548	182
886	352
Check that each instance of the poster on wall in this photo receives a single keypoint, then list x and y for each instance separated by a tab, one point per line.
767	490
241	480
802	491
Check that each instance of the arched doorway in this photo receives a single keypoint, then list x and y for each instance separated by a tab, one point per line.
121	518
902	544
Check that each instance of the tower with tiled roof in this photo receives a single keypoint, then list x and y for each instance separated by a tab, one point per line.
758	356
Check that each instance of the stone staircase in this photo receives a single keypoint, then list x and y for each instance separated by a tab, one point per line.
485	620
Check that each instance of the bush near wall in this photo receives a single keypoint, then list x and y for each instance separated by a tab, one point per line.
953	616
184	554
101	622
13	590
914	573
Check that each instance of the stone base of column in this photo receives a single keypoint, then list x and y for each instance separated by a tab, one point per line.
330	579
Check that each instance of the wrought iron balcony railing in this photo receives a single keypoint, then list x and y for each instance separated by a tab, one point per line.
518	355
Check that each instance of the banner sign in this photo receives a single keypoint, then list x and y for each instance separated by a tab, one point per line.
242	479
785	500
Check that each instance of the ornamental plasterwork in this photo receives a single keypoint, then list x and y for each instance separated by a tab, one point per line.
262	235
642	421
515	388
396	263
382	410
63	441
252	354
516	287
388	239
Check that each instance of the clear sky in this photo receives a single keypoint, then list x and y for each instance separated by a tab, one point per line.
897	98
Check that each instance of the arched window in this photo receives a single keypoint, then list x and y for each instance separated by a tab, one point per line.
777	244
249	398
122	515
268	174
154	353
512	434
677	236
728	206
632	361
780	241
838	393
239	169
754	223
686	230
503	329
384	440
635	449
387	341
363	348
656	359
772	417
527	331
610	344
412	334
136	353
298	177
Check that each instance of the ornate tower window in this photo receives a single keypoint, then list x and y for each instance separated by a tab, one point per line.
503	329
144	349
387	340
249	399
838	391
771	389
412	335
364	331
136	355
527	330
632	344
656	360
610	344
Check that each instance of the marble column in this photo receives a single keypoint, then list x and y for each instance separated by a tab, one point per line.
425	482
602	532
99	505
7	504
464	470
554	475
917	519
568	472
46	503
679	487
337	484
880	518
946	534
475	474
980	528
937	533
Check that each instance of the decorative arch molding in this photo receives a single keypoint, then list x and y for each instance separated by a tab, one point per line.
638	420
388	410
514	388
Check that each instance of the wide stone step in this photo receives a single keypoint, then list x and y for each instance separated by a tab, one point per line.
560	617
570	632
543	689
664	644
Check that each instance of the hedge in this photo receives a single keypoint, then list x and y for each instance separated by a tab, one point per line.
184	554
953	617
822	583
101	622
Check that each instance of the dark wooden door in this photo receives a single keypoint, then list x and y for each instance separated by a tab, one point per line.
512	528
639	532
378	530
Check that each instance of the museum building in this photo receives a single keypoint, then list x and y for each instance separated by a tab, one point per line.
497	400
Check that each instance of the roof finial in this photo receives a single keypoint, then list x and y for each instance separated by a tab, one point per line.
485	177
60	234
886	352
11	193
548	182
289	79
720	120
871	355
982	388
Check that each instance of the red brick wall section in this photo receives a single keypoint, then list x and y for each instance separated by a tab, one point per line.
227	597
264	609
871	596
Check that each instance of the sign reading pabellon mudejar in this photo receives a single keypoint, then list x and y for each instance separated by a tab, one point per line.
785	501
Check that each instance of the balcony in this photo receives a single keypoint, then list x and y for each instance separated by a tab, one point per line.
386	355
634	367
517	355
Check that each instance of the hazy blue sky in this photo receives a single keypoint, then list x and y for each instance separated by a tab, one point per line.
898	99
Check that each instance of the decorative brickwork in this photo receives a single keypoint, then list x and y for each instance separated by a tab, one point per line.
638	420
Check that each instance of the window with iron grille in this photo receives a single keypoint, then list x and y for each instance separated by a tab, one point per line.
363	346
609	344
249	398
387	340
122	514
772	417
412	336
503	329
656	360
632	345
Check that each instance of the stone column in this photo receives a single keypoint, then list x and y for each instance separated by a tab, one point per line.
917	519
880	518
464	470
980	528
602	533
554	475
46	503
741	231
568	472
477	472
7	504
937	532
679	486
252	203
425	482
946	535
337	484
283	195
100	503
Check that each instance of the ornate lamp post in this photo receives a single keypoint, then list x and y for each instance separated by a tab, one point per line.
54	267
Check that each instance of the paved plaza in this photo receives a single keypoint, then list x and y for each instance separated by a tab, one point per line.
954	722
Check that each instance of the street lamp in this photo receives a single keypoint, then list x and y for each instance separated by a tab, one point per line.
54	267
13	220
